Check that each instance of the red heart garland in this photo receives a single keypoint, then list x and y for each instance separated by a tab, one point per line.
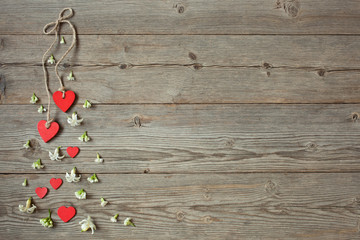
41	192
73	151
56	182
65	213
64	103
47	133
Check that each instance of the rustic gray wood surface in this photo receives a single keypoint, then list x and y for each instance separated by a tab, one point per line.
216	119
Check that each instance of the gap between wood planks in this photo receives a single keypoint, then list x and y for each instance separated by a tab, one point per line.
196	66
148	171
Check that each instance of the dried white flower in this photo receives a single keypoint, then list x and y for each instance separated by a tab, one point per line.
34	99
47	222
72	176
27	144
86	224
87	104
73	120
51	59
93	178
28	208
103	202
71	76
128	222
62	41
37	164
81	194
24	184
41	109
56	156
84	137
98	159
114	218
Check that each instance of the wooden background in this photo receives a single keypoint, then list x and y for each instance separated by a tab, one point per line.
216	119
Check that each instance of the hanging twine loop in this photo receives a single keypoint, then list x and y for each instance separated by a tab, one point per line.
56	24
50	28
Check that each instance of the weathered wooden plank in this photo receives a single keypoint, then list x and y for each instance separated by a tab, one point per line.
187	69
337	52
174	84
187	17
175	69
190	138
269	206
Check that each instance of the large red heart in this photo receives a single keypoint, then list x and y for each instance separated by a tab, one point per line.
47	133
73	151
41	191
66	213
56	182
64	103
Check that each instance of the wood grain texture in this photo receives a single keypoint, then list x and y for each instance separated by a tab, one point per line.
227	206
189	138
216	119
187	16
179	69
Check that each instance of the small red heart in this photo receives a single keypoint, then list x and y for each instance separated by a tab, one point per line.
41	191
47	133
56	182
64	103
73	151
66	213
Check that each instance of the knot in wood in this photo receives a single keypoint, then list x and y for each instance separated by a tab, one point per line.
291	7
137	121
180	216
321	72
64	66
179	8
270	187
123	66
311	146
267	65
208	219
355	116
147	170
197	66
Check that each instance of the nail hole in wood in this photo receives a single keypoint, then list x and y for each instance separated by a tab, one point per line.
147	170
321	72
66	65
192	56
137	121
197	66
123	66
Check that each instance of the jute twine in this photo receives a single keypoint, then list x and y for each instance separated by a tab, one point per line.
54	28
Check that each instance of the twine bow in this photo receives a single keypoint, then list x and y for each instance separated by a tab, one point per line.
54	28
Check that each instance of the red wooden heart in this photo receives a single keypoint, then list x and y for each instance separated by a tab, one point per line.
47	133
56	182
66	213
64	103
41	192
73	151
